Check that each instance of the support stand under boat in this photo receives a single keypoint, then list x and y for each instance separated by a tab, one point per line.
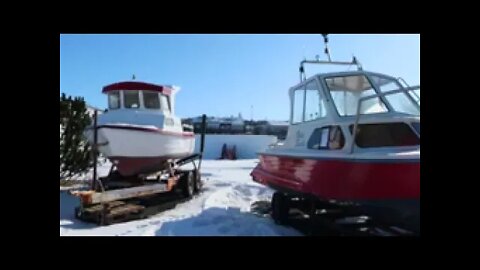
94	149
196	171
202	139
198	174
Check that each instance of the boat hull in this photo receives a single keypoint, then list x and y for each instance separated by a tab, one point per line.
387	188
137	150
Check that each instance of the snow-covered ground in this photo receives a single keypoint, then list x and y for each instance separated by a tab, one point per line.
222	209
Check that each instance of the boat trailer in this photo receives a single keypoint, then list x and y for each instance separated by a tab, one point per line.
116	198
327	218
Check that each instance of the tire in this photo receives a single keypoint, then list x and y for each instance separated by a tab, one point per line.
198	181
280	208
78	214
188	184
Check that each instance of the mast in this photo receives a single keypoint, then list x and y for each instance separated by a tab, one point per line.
329	61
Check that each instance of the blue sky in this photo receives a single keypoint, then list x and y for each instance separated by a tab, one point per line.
223	75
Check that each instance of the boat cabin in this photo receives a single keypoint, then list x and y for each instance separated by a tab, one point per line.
139	96
143	104
327	109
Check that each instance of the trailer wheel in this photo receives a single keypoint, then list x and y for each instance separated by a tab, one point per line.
188	184
198	181
280	208
78	213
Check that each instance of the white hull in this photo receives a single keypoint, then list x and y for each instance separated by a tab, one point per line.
142	143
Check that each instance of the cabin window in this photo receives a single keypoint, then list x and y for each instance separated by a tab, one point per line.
165	103
114	100
308	103
327	138
151	100
346	92
131	99
384	135
415	94
314	104
400	102
298	99
416	126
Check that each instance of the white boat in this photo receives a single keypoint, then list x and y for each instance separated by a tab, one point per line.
140	132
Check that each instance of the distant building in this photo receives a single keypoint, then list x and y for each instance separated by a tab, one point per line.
232	125
219	125
236	125
277	128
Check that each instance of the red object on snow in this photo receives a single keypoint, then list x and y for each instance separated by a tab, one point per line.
228	153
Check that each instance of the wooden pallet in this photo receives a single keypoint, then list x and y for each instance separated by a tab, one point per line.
109	213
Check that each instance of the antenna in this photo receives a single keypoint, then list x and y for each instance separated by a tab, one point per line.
356	62
317	60
327	52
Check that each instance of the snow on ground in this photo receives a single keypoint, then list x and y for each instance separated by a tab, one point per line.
222	209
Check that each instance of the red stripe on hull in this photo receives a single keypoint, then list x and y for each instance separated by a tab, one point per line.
341	179
161	131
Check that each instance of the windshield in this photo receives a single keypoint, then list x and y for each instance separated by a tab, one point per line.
131	99
400	102
347	90
415	94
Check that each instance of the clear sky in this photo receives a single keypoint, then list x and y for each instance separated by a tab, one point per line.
223	75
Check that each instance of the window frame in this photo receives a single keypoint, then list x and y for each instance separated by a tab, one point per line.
139	99
330	128
169	109
321	95
293	106
119	99
374	87
408	125
158	98
408	94
320	99
416	129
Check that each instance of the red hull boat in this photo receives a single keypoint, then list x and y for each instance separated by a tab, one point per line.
353	137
